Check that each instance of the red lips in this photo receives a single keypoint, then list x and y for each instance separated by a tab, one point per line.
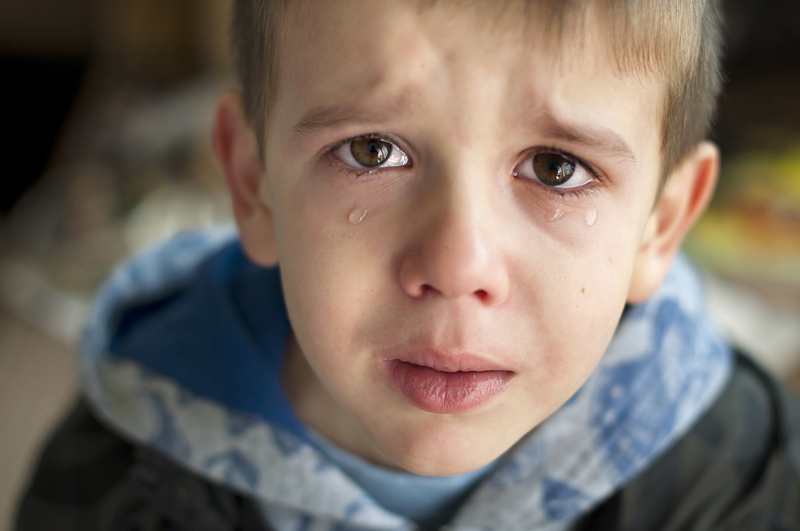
446	384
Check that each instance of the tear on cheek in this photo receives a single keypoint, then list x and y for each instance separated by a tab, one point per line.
589	215
549	207
357	215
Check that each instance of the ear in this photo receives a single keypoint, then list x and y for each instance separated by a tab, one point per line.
686	194
237	151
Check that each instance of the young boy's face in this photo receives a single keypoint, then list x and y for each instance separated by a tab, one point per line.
457	216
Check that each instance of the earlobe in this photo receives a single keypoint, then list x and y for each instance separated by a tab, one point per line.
237	150
685	197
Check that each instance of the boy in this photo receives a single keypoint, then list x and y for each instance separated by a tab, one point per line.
479	321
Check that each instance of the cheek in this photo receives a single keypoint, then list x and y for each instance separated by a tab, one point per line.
571	283
333	265
568	282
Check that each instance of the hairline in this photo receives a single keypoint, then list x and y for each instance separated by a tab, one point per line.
629	56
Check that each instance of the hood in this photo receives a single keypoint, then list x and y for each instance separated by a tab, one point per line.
184	353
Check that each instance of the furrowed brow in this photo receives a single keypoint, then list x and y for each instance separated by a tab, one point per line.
603	140
327	117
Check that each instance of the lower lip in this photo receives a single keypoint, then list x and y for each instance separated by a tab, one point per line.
446	392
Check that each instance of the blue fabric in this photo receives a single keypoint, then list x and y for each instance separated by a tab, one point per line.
239	309
428	500
222	336
183	353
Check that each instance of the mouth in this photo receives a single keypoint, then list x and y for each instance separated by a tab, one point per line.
438	389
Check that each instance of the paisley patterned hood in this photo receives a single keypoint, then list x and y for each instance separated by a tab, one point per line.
184	350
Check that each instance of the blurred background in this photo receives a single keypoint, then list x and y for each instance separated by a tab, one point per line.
107	111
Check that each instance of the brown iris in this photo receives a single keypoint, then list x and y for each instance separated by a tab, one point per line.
370	152
553	169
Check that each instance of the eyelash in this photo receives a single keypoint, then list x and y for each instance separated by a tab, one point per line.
558	193
567	193
357	172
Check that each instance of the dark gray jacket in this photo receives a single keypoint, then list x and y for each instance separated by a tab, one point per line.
737	469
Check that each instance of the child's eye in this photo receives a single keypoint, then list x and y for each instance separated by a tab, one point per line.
370	154
554	170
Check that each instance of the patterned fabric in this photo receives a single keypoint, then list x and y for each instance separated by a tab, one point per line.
663	369
737	469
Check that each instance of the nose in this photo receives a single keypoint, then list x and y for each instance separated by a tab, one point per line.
453	254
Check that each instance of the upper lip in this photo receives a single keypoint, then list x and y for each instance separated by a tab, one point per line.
445	360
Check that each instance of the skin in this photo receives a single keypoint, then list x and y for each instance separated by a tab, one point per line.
456	253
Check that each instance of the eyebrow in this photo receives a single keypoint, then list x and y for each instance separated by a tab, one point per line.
327	117
333	116
601	139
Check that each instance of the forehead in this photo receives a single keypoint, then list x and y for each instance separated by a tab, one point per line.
349	60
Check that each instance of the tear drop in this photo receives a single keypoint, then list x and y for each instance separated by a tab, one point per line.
590	217
558	214
357	215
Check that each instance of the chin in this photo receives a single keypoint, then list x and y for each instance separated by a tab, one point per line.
441	451
451	465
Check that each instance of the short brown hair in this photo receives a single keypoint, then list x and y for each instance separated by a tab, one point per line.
680	41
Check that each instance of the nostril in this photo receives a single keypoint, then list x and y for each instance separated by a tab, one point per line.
431	272
427	289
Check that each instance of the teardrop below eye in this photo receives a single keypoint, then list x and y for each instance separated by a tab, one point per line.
357	215
370	152
553	169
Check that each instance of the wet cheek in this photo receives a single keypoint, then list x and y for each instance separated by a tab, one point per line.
547	208
336	266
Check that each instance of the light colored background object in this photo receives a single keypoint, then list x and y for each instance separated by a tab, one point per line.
38	382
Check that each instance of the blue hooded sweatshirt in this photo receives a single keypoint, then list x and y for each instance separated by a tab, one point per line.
184	354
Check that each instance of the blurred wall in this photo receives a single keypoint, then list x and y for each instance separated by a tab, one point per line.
59	57
45	27
44	50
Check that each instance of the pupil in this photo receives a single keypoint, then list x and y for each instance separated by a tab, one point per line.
370	152
552	169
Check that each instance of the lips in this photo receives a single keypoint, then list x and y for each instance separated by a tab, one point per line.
438	385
